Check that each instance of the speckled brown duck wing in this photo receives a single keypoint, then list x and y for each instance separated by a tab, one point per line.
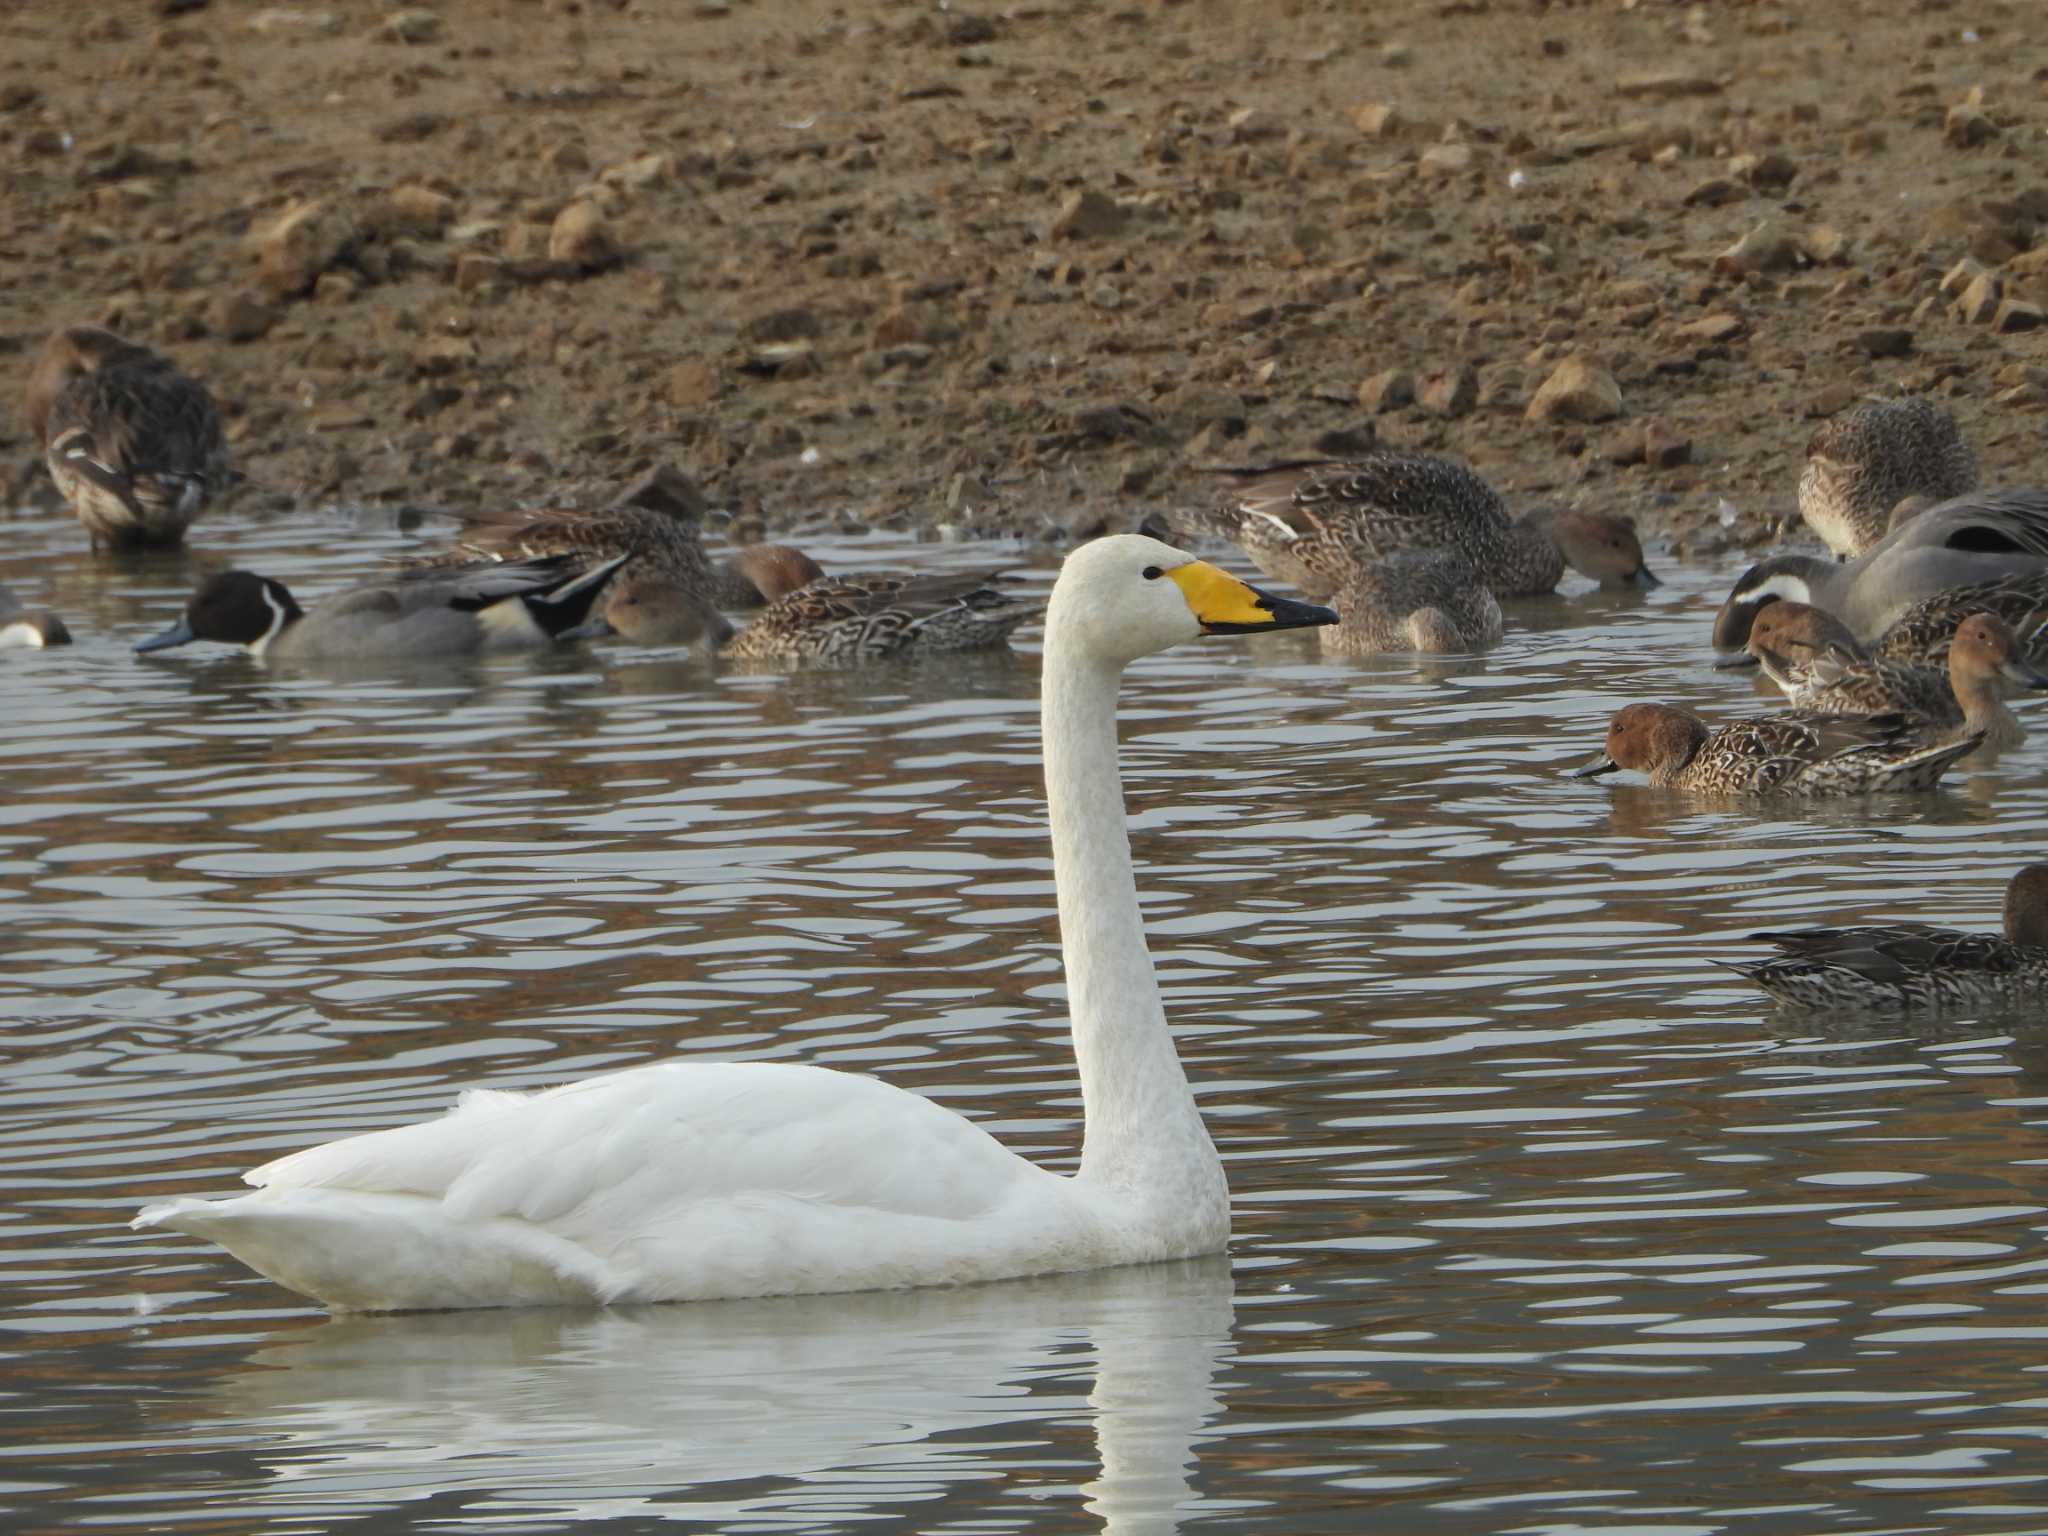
597	533
1921	635
1313	522
1834	683
1383	503
1899	967
852	619
1822	754
138	448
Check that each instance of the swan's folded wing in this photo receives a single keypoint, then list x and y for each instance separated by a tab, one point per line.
610	1153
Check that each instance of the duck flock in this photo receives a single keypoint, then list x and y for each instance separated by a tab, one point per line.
1897	654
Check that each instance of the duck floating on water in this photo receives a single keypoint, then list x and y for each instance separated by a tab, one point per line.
833	621
1429	601
492	606
1985	537
29	628
1865	465
1315	523
1816	661
134	445
1798	753
1913	967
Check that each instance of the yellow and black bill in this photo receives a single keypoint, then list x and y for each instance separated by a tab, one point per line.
1223	605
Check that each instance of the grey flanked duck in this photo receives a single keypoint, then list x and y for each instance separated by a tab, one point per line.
492	606
1799	753
1914	967
134	445
1985	537
1417	600
1315	523
1923	632
752	577
1816	661
1862	464
837	620
28	628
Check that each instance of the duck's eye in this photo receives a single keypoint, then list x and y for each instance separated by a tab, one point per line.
1153	573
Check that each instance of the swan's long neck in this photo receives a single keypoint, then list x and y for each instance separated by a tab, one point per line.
1143	1133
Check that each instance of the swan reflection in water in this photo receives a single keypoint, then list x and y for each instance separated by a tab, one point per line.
792	1407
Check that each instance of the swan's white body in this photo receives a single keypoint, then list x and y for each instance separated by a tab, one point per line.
689	1181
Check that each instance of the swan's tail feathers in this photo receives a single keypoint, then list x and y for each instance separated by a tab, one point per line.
354	1251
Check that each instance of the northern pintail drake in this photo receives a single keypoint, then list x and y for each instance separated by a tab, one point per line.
1812	656
1314	523
1862	464
1417	600
492	606
28	628
134	445
1923	632
752	577
1987	536
689	1180
1914	967
836	620
1798	753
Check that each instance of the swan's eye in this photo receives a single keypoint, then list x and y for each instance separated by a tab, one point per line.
1153	573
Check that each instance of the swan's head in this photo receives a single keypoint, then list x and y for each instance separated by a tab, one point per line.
1127	596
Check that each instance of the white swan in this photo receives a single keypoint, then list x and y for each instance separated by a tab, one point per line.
687	1181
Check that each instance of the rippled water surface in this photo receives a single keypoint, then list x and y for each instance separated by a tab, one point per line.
1544	1224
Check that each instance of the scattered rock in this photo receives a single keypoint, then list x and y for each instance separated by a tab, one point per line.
1966	126
1579	389
582	239
300	244
475	271
1770	172
1664	447
1452	393
2017	315
1089	215
421	211
654	169
1764	249
413	26
1713	328
439	356
1712	192
1979	299
1378	120
1825	245
240	316
693	381
1388	390
1445	160
1884	341
1666	84
1623	446
1960	276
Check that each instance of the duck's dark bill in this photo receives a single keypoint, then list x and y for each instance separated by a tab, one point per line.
1601	764
1734	663
179	633
1646	578
1276	613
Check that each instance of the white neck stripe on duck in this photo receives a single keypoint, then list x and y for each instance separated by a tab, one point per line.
1784	584
280	616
